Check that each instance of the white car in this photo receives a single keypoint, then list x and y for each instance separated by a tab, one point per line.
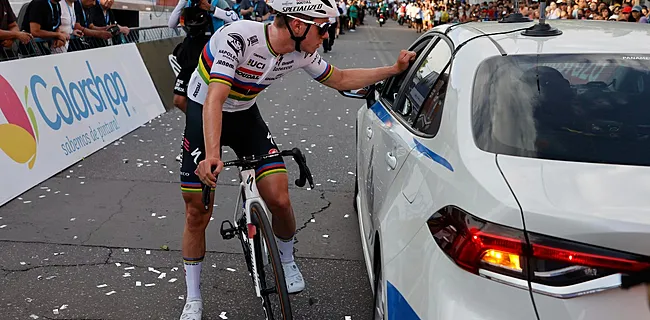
507	176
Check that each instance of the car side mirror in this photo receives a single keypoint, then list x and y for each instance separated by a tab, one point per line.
363	93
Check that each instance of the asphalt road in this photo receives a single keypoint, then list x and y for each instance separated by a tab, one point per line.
85	244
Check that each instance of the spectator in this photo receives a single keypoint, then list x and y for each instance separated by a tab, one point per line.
68	23
353	12
637	16
256	10
9	30
103	18
43	19
85	24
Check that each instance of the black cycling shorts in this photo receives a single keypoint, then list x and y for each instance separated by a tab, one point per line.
187	56
243	131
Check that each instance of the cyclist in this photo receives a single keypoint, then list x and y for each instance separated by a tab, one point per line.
240	60
199	19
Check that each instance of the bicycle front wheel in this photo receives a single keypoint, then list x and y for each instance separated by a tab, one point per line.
275	297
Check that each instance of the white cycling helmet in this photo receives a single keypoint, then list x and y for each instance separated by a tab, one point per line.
310	8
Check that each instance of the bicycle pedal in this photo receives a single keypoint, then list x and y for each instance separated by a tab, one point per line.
228	232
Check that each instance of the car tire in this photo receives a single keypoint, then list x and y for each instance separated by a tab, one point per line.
378	309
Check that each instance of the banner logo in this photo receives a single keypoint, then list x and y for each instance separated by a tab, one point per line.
19	136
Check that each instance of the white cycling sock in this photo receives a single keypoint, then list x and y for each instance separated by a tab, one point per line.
193	277
286	249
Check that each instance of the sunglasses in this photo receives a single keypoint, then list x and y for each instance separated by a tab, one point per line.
322	27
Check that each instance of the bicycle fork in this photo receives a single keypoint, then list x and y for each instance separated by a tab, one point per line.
250	194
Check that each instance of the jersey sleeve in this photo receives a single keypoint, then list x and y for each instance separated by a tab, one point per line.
221	56
318	68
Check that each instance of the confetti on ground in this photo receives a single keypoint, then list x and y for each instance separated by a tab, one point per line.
102	286
138	283
42	196
348	318
214	265
50	277
126	275
162	275
181	298
312	220
126	250
148	252
345	216
33	316
153	214
22	263
231	269
73	219
149	284
28	201
223	315
151	269
63	307
172	280
174	268
3	226
326	236
110	293
55	311
129	268
117	264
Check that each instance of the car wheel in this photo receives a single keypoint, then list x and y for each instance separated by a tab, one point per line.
379	294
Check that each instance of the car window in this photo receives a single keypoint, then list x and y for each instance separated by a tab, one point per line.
395	83
568	107
427	118
424	94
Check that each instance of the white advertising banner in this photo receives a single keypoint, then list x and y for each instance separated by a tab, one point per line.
57	109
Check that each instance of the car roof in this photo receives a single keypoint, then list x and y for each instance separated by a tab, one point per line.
578	36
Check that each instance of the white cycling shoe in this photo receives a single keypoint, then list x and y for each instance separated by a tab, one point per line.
293	277
193	310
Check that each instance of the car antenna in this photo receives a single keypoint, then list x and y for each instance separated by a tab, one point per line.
542	29
515	17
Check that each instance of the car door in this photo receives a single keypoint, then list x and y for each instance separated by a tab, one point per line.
379	152
418	111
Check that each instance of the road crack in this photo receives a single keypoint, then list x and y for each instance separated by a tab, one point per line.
119	210
312	216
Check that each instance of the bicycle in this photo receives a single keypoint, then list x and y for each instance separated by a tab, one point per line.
252	227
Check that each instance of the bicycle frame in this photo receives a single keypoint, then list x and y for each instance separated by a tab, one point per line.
250	194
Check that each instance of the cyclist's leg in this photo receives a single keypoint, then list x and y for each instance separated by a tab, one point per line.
196	217
273	185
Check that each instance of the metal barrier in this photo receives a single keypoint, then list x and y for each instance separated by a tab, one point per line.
39	47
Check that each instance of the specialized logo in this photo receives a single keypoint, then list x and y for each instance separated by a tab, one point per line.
303	8
236	43
19	136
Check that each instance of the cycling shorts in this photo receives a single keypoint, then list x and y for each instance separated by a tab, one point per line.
187	56
245	132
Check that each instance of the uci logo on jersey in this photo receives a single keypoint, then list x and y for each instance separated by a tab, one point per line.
256	64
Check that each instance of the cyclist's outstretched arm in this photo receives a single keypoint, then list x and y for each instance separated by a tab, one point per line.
349	79
212	114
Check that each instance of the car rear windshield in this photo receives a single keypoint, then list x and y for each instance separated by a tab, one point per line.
585	108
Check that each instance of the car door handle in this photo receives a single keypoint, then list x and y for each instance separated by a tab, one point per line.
391	160
369	132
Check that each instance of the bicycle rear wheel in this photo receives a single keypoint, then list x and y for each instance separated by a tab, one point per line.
275	297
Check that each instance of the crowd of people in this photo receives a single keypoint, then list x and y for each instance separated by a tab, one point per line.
60	25
424	15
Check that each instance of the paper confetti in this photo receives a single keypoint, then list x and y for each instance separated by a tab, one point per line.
345	216
172	280
231	269
162	275
117	264
33	316
63	307
110	293
138	283
149	284
55	311
129	268
223	315
102	286
126	250
148	252
326	236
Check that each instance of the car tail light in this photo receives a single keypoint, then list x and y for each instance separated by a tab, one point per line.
475	244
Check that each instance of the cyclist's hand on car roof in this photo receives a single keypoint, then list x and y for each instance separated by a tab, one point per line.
206	174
